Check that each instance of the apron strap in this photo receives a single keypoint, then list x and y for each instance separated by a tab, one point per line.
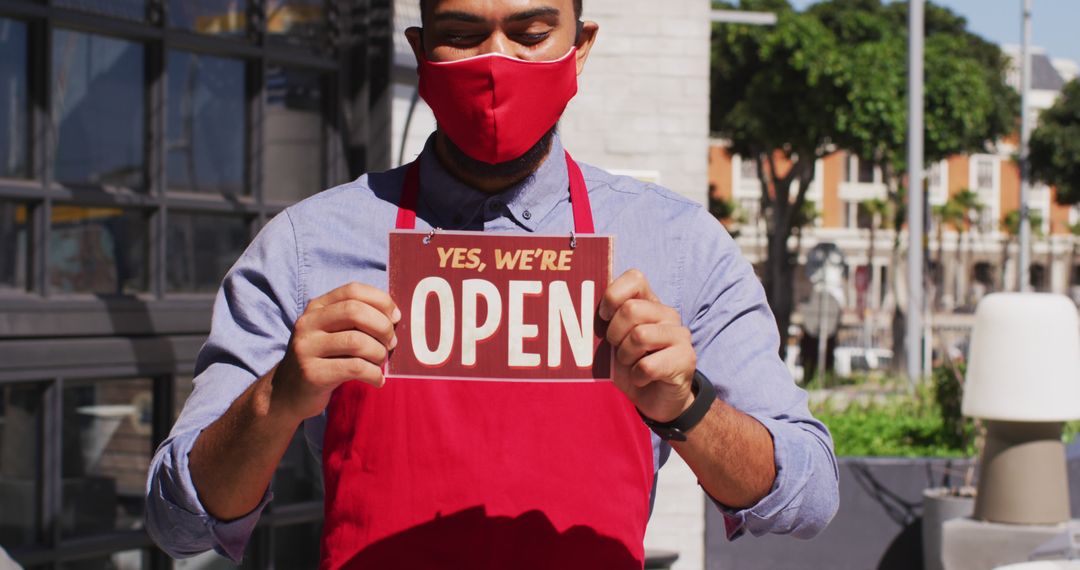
579	198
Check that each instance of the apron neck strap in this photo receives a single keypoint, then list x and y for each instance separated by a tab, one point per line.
579	198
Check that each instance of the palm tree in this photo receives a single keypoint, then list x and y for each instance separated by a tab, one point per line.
1074	233
879	214
1011	226
969	206
948	213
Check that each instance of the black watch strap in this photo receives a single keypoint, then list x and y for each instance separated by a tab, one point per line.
675	430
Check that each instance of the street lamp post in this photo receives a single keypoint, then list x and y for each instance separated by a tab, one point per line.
913	342
1024	257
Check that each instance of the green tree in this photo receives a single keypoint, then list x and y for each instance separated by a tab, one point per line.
1055	145
774	94
835	77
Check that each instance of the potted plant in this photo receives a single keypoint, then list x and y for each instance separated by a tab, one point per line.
949	501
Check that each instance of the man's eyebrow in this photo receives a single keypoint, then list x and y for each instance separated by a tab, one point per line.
458	17
545	11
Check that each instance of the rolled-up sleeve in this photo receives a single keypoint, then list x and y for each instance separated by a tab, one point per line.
737	342
252	321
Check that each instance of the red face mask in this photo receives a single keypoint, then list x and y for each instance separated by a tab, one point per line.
495	107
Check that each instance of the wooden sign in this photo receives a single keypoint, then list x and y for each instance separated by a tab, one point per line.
515	307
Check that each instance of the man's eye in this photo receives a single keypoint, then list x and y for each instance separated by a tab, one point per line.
530	39
461	39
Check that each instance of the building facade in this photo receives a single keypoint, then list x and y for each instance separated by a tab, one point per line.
142	144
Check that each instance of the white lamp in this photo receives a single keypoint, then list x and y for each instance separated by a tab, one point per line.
1023	379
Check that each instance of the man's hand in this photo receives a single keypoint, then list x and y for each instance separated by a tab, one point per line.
654	359
344	335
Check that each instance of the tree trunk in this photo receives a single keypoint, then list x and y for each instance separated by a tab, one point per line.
1005	263
939	302
959	296
779	284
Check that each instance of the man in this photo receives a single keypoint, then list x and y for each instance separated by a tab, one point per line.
426	473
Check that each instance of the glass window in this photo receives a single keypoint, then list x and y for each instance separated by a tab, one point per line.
97	250
106	455
182	388
201	249
14	237
866	171
131	9
298	477
14	105
205	124
20	456
984	173
98	108
124	560
748	169
297	546
299	22
293	145
218	17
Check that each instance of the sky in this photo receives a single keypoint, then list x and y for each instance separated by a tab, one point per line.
1055	24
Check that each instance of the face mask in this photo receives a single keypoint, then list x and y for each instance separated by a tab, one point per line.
495	107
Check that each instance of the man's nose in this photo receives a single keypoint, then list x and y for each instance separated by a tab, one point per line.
498	43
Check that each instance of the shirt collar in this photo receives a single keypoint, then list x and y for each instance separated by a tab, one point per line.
453	204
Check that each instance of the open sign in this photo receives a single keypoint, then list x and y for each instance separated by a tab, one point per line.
482	306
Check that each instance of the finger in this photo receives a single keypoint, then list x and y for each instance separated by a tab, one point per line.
635	312
351	343
629	285
345	369
354	315
669	365
359	292
648	338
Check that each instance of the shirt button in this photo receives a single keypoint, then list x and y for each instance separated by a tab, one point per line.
527	215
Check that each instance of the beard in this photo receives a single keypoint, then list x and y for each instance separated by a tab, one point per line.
515	169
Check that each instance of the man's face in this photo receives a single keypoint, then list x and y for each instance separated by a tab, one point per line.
532	30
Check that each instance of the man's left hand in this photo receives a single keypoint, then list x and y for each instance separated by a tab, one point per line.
654	357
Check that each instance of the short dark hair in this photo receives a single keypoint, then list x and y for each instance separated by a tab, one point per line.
577	8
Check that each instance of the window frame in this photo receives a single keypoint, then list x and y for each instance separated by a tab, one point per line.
51	339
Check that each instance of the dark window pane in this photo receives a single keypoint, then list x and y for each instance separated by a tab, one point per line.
201	249
297	546
866	171
293	163
205	126
218	17
106	454
125	560
97	250
298	477
14	106
20	456
14	237
131	9
98	109
298	22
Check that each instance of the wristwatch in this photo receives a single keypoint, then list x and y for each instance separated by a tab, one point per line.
675	430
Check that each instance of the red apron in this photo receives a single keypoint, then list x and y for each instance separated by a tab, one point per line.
484	475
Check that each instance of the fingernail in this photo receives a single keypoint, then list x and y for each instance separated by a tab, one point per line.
393	342
396	316
605	313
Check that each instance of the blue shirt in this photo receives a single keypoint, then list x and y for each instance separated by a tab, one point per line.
340	235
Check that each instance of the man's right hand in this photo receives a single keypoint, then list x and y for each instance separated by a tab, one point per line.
343	335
